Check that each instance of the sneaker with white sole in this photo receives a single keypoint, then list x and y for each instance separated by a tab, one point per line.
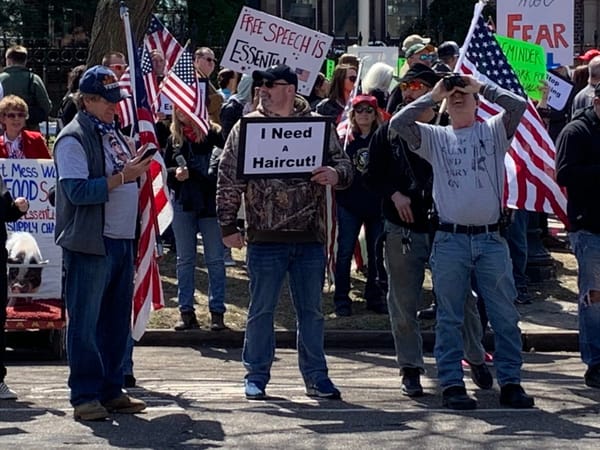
7	393
323	389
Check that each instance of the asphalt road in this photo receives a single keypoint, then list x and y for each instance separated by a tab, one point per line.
195	401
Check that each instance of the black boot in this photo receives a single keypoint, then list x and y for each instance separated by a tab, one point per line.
188	321
216	322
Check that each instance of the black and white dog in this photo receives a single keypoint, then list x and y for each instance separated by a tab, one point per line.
23	249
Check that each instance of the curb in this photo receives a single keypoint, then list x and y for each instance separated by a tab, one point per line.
540	341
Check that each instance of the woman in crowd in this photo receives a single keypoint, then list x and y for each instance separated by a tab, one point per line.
342	84
193	182
68	109
356	206
16	141
319	91
376	83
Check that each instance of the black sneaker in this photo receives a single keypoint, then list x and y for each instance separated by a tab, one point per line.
411	382
514	396
523	297
481	375
592	376
428	313
188	321
343	311
455	397
129	381
323	389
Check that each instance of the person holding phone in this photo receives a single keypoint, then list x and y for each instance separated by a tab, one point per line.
194	183
96	218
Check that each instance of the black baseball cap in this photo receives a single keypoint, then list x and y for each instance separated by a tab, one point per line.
448	48
423	73
279	72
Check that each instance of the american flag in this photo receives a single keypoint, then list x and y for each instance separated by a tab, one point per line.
153	201
186	91
529	163
158	37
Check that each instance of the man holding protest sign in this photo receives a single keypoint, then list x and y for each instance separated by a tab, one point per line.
286	227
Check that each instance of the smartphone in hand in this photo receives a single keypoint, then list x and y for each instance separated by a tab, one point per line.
149	152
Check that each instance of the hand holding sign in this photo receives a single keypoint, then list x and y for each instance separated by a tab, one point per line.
325	175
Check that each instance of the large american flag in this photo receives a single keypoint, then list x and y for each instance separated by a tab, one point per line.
186	91
158	38
529	164
153	201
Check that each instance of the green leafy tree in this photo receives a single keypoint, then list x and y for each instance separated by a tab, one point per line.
212	21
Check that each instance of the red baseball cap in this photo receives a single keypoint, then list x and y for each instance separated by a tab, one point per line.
368	99
590	54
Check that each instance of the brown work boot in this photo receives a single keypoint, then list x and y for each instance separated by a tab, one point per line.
216	322
124	404
188	321
90	411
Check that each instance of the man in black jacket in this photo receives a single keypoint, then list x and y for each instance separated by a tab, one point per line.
405	182
578	169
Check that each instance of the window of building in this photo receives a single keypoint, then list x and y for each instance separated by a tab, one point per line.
400	15
345	19
302	12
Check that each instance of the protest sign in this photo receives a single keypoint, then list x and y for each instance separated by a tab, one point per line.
260	40
549	23
528	61
560	91
32	179
330	69
282	147
370	55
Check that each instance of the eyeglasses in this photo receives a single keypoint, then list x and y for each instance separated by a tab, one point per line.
11	115
270	83
364	109
118	66
413	85
352	78
208	58
427	56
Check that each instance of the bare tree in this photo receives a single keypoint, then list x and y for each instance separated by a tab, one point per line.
107	32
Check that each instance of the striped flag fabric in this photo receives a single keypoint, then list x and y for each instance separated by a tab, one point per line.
153	202
186	91
159	38
529	163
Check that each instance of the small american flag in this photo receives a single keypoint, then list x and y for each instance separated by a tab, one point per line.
158	37
529	163
186	91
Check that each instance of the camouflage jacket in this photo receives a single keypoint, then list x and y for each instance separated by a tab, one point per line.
277	209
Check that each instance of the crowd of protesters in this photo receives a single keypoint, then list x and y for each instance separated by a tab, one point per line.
385	168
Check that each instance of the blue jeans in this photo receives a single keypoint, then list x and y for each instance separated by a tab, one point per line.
406	272
98	293
268	265
349	226
586	247
516	236
454	259
186	224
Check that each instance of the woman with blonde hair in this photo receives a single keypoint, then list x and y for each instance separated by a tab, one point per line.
190	157
355	207
16	141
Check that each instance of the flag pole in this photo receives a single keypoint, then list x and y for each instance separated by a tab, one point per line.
349	102
124	13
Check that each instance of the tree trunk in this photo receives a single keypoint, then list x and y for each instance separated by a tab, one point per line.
108	32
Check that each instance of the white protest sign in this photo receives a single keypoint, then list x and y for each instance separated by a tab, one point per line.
371	55
260	40
549	23
32	179
560	90
281	147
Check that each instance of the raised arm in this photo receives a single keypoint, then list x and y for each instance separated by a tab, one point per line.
514	106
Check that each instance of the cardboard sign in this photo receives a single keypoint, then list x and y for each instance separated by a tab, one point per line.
32	179
260	40
282	147
549	23
528	61
371	55
560	91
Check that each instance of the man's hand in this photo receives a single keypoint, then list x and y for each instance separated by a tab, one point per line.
235	240
325	175
402	204
22	203
182	173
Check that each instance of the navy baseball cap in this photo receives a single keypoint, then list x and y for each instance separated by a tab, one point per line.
100	80
279	72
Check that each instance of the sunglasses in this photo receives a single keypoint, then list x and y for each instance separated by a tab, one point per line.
118	66
270	83
352	78
20	115
209	59
427	56
413	85
364	109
